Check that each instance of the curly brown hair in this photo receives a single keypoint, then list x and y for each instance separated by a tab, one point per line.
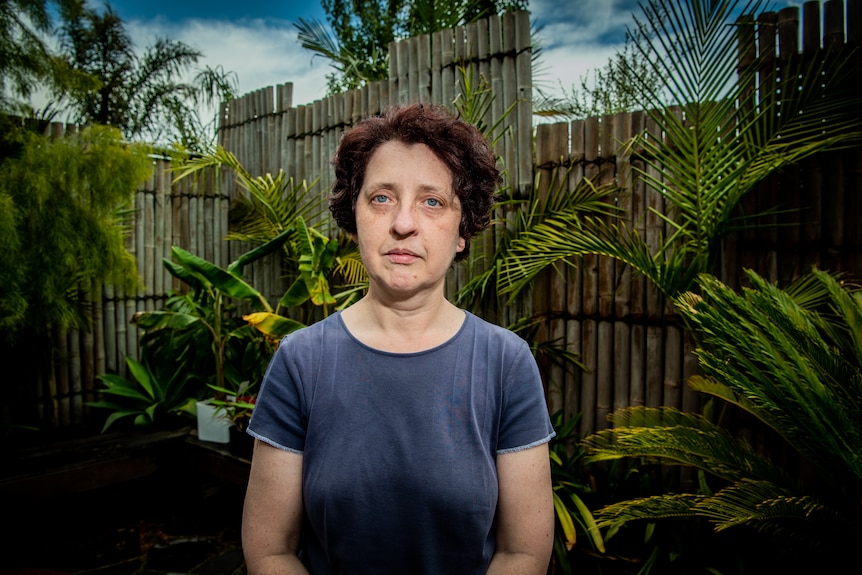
456	143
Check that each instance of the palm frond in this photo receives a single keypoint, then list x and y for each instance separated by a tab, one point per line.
760	504
765	347
506	273
648	508
678	438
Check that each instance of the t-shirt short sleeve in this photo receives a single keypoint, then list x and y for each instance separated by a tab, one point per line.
280	414
524	419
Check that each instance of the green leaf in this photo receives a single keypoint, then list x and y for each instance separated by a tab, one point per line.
589	521
259	252
273	325
566	522
162	319
225	282
143	376
296	294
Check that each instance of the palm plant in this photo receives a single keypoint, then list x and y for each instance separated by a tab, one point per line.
27	61
791	360
713	141
142	95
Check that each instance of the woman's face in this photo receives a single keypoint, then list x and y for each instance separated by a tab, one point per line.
407	219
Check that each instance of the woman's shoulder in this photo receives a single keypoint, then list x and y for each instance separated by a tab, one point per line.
314	334
497	333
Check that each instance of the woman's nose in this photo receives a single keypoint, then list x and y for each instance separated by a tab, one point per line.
404	223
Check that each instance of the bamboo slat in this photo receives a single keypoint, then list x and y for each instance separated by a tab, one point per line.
621	366
146	241
524	122
549	291
122	326
590	155
673	367
589	357
605	387
811	34
75	404
606	268
111	324
655	365
788	31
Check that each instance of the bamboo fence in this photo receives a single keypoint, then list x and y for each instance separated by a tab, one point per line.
619	324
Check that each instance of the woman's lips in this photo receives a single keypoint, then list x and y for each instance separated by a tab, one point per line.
401	256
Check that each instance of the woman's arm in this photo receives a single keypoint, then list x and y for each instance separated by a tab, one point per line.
272	515
525	513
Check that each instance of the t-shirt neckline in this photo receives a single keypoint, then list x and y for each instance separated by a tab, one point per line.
468	318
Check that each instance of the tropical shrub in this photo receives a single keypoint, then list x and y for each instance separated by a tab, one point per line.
324	271
64	204
150	399
202	329
789	361
571	484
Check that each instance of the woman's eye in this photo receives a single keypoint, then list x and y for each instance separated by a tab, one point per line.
380	199
433	202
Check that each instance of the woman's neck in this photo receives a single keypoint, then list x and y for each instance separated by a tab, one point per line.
405	327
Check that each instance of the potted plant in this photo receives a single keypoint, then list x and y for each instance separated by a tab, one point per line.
237	407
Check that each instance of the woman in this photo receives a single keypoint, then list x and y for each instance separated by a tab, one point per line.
403	434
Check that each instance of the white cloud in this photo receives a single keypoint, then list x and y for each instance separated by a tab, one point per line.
577	37
579	22
564	66
261	53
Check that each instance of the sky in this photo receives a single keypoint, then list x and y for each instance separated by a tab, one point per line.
257	38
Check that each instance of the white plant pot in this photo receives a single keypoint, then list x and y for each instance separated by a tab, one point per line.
213	424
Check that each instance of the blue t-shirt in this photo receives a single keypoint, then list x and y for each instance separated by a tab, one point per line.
399	449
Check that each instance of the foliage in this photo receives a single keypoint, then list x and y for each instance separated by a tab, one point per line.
268	207
317	260
790	360
62	226
150	399
143	95
237	404
719	142
358	49
202	329
573	517
26	62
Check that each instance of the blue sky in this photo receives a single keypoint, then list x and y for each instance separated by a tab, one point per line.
257	39
218	9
